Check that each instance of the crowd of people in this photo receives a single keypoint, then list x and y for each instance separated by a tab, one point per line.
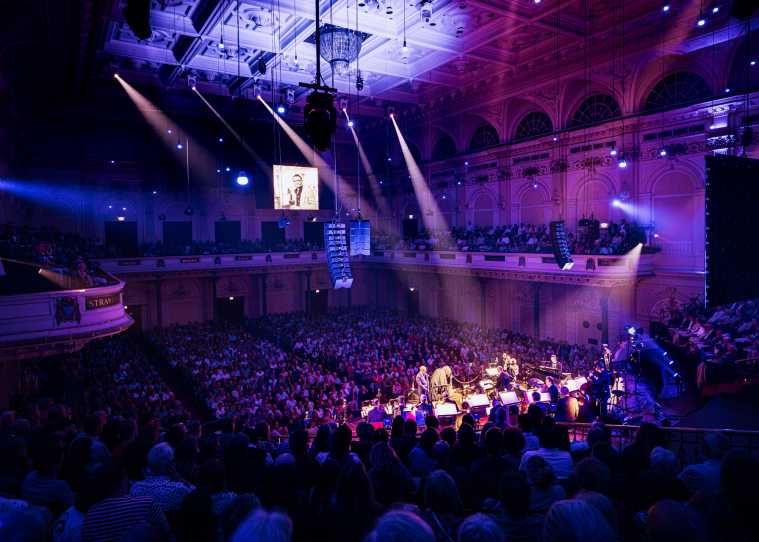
67	255
322	369
716	342
116	478
613	238
216	247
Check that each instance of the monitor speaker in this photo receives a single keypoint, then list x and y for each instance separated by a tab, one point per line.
560	245
338	261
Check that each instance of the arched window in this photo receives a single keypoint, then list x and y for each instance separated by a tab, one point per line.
595	110
444	148
484	137
677	88
532	125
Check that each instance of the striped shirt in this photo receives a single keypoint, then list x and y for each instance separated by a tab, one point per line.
111	518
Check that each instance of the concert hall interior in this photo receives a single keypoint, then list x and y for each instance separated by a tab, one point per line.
379	270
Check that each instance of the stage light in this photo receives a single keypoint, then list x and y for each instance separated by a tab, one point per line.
155	192
622	163
727	90
613	151
701	21
113	162
715	9
616	203
631	330
466	162
663	152
555	139
281	109
535	185
123	208
389	159
404	49
221	140
536	1
603	225
317	291
242	179
411	217
231	298
110	206
169	131
380	182
179	146
227	169
320	119
120	218
665	7
411	289
221	45
218	170
350	124
656	236
752	63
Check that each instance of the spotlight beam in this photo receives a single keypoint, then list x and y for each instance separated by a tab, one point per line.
427	204
325	171
159	121
253	154
373	184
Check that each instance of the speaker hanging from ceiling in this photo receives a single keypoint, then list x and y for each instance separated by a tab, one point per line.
560	245
360	237
338	262
137	14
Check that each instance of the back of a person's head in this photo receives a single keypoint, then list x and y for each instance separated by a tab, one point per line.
536	413
340	441
494	441
431	421
263	526
364	431
548	437
428	439
598	433
195	519
46	451
715	445
739	475
664	462
480	528
605	452
143	532
515	494
539	472
409	428
236	512
525	423
576	521
673	521
467	419
353	489
592	475
466	435
449	435
108	479
513	440
400	526
397	428
24	525
650	436
160	459
441	493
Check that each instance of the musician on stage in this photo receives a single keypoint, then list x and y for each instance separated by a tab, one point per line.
601	388
441	377
422	381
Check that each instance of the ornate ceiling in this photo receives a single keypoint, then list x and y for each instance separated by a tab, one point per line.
463	41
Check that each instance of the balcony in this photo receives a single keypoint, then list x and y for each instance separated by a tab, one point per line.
60	320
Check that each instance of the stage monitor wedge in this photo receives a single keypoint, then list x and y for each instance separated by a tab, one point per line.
732	230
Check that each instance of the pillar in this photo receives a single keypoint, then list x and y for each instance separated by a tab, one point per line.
264	309
158	304
604	300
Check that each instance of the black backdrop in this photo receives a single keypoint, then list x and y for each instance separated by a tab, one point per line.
732	229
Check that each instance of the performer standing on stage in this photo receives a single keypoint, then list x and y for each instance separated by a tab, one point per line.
422	381
601	388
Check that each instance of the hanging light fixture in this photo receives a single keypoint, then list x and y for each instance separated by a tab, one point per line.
340	47
242	179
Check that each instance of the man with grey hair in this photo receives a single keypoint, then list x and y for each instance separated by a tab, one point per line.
263	526
162	482
704	476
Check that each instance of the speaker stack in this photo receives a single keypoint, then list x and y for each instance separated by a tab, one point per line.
338	261
360	244
560	245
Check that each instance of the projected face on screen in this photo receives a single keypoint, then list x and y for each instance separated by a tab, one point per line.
296	188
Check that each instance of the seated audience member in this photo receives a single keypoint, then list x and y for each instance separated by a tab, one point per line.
42	486
672	521
576	521
161	482
512	513
421	460
262	526
560	460
24	525
568	408
487	471
705	476
660	481
443	509
480	528
401	526
117	512
544	490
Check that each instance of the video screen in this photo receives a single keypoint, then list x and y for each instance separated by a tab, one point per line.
296	188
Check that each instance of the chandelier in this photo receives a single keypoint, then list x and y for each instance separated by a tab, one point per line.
339	47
